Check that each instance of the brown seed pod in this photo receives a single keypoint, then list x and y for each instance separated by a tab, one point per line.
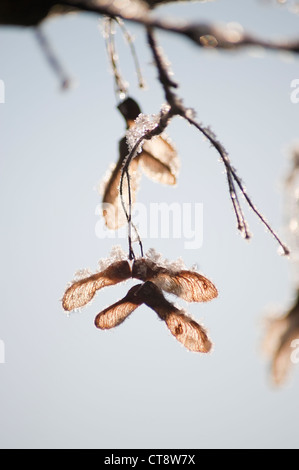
82	292
186	330
118	312
189	285
159	161
112	208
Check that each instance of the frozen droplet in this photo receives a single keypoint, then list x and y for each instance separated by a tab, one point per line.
122	95
283	251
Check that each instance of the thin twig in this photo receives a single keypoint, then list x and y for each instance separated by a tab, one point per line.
177	108
131	252
128	215
120	85
121	91
238	181
52	58
159	129
129	39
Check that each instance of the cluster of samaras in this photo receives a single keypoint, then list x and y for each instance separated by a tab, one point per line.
158	159
188	285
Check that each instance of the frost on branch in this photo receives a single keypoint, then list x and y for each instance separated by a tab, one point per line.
144	124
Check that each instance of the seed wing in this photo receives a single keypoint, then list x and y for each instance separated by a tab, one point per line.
112	207
80	293
186	330
118	312
159	161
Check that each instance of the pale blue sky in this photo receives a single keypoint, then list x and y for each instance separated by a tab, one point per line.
66	384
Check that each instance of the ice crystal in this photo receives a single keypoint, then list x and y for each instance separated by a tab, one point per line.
144	124
171	266
116	254
82	274
190	113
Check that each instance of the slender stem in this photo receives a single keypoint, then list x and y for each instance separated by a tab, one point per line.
121	90
285	249
161	126
129	39
241	221
163	72
131	252
120	86
52	58
125	172
238	181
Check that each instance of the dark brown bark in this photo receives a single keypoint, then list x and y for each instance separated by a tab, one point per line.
26	12
33	12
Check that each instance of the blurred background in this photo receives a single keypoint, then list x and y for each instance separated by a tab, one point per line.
66	384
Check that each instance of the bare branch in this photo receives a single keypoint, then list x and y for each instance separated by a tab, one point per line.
177	108
33	12
203	35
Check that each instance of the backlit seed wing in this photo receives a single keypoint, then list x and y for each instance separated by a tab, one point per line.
80	293
159	161
186	330
118	312
114	315
112	208
156	170
189	285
